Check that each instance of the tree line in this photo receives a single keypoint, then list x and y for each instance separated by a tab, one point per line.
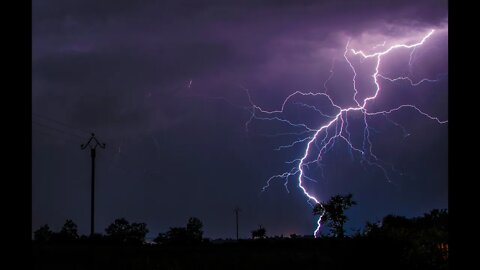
427	232
121	231
395	242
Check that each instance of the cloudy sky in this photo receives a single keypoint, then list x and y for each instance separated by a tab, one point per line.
164	85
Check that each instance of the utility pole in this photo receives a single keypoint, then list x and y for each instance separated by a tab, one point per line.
236	216
93	142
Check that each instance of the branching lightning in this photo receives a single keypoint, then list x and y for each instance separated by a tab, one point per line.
319	140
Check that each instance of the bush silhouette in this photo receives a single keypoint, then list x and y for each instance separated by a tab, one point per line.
259	233
192	233
43	234
121	231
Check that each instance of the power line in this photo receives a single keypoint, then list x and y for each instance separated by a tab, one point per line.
57	129
61	123
52	132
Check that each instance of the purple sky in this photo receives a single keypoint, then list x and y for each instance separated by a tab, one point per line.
177	149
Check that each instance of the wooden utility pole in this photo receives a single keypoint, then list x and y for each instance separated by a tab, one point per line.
236	217
93	147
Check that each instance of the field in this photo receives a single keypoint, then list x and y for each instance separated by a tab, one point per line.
280	253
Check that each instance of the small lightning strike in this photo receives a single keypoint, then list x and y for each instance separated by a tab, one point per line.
329	77
320	140
407	79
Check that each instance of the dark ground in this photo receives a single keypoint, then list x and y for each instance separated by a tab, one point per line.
349	253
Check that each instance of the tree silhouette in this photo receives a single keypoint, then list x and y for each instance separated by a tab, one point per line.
161	238
334	212
43	234
259	233
69	230
425	238
177	235
124	232
138	231
193	233
194	229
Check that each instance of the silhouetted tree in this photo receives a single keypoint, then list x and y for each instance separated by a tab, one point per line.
436	219
69	230
334	212
194	229
138	231
43	234
123	232
259	233
161	238
177	235
425	238
371	228
192	233
118	230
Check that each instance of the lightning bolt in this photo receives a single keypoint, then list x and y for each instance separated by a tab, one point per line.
322	139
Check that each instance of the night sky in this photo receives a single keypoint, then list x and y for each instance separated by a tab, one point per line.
162	83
